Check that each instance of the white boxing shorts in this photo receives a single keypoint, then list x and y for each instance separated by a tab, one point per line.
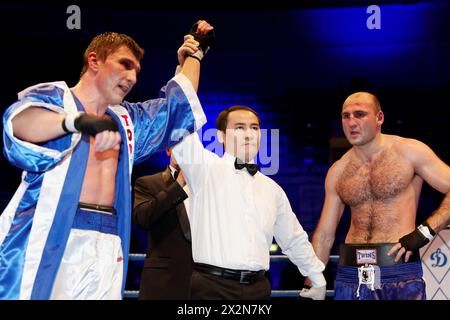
92	265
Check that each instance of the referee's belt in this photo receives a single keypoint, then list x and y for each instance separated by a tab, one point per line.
371	253
242	276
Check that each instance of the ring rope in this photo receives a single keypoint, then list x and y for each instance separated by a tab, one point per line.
275	293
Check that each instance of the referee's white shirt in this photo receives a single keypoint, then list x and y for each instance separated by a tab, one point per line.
234	216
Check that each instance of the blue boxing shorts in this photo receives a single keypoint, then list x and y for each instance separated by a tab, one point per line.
365	272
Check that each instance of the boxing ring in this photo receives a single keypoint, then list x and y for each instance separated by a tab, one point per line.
275	293
435	263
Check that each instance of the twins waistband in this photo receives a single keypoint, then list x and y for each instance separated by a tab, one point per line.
96	218
367	253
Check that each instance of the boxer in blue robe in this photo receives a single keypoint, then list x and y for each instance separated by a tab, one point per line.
65	233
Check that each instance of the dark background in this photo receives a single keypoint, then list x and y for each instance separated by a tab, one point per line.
294	62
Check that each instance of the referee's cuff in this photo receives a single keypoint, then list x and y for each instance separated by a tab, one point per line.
317	279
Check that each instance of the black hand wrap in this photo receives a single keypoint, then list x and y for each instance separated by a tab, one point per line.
93	125
414	240
88	124
205	40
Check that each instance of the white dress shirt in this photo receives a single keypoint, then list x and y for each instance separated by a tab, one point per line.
234	216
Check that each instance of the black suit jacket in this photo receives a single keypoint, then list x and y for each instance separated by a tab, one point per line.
159	208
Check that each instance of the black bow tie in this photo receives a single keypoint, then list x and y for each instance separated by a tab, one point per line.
252	168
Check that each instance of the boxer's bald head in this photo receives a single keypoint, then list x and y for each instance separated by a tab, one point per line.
361	118
363	97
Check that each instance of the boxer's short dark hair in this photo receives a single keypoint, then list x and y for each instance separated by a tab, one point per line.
106	43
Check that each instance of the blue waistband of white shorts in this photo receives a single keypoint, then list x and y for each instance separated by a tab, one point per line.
395	273
86	219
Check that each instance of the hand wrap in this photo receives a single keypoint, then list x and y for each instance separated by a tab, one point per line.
91	125
204	40
418	238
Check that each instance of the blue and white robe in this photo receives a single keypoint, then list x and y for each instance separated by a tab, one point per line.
36	223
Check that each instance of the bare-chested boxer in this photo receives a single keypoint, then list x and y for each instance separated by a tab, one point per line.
380	179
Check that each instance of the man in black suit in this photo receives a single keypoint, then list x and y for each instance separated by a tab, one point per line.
159	208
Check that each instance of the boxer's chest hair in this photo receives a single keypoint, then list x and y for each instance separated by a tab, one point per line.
379	181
